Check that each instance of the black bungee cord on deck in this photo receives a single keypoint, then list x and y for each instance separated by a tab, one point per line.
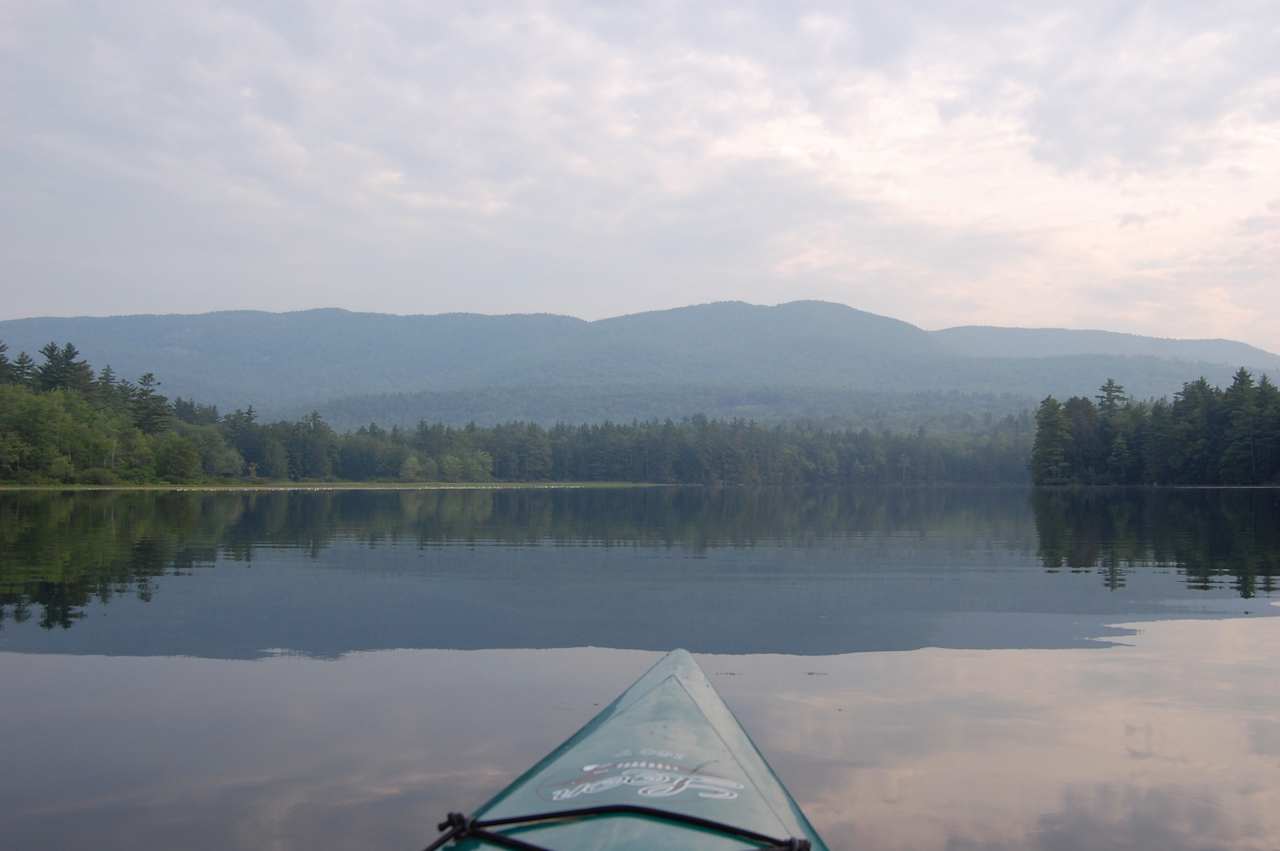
458	826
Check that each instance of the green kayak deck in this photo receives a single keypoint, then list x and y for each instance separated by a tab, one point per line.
655	769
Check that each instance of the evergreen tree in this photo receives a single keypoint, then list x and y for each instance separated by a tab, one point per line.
1269	432
1159	450
106	390
1239	458
275	460
1196	416
1052	440
24	370
1120	461
312	449
79	375
191	411
51	375
1112	403
63	369
1084	453
6	368
151	411
1111	398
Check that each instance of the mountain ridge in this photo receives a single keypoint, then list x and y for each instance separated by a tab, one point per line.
639	363
796	303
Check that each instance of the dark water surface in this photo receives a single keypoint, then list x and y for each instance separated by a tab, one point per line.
337	669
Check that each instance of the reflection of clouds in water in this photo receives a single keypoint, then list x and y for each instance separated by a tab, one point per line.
1264	737
286	752
1109	815
1170	743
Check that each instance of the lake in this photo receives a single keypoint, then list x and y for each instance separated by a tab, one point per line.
951	669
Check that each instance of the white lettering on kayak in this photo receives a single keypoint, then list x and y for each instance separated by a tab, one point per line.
650	779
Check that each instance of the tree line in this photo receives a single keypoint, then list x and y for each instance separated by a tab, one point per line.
60	422
1204	436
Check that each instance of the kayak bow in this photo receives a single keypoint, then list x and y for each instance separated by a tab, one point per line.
666	765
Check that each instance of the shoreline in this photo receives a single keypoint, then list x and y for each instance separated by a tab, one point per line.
278	486
338	486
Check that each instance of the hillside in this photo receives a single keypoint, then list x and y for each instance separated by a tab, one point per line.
809	359
990	341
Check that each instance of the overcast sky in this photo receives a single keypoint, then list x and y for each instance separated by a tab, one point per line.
1114	165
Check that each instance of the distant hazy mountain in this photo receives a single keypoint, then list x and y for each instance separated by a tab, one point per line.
989	341
798	359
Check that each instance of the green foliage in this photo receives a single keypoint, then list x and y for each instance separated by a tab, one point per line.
62	369
177	458
1049	452
896	410
151	411
190	411
216	458
73	427
23	370
1205	436
60	423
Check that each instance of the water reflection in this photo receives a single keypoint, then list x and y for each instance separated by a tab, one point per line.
1213	537
1169	743
1163	744
242	575
298	724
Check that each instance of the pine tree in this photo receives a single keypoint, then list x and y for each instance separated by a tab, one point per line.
24	370
1196	415
1111	398
106	389
1112	403
1269	431
1239	459
1160	452
107	378
1084	454
1120	461
1052	441
62	369
151	412
51	375
6	368
79	375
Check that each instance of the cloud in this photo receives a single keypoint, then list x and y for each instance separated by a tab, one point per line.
943	165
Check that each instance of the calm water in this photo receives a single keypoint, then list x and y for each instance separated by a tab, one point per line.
927	669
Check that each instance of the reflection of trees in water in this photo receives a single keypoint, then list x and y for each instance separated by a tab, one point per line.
60	552
1210	536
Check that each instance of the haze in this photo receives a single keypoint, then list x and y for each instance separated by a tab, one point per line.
1111	166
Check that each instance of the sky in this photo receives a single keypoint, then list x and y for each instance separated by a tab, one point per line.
1112	165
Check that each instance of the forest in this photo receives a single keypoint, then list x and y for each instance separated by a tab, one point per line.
1204	436
63	423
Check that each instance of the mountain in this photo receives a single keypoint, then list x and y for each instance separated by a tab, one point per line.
804	358
990	341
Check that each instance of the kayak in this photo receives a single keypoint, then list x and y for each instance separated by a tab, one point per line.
666	765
